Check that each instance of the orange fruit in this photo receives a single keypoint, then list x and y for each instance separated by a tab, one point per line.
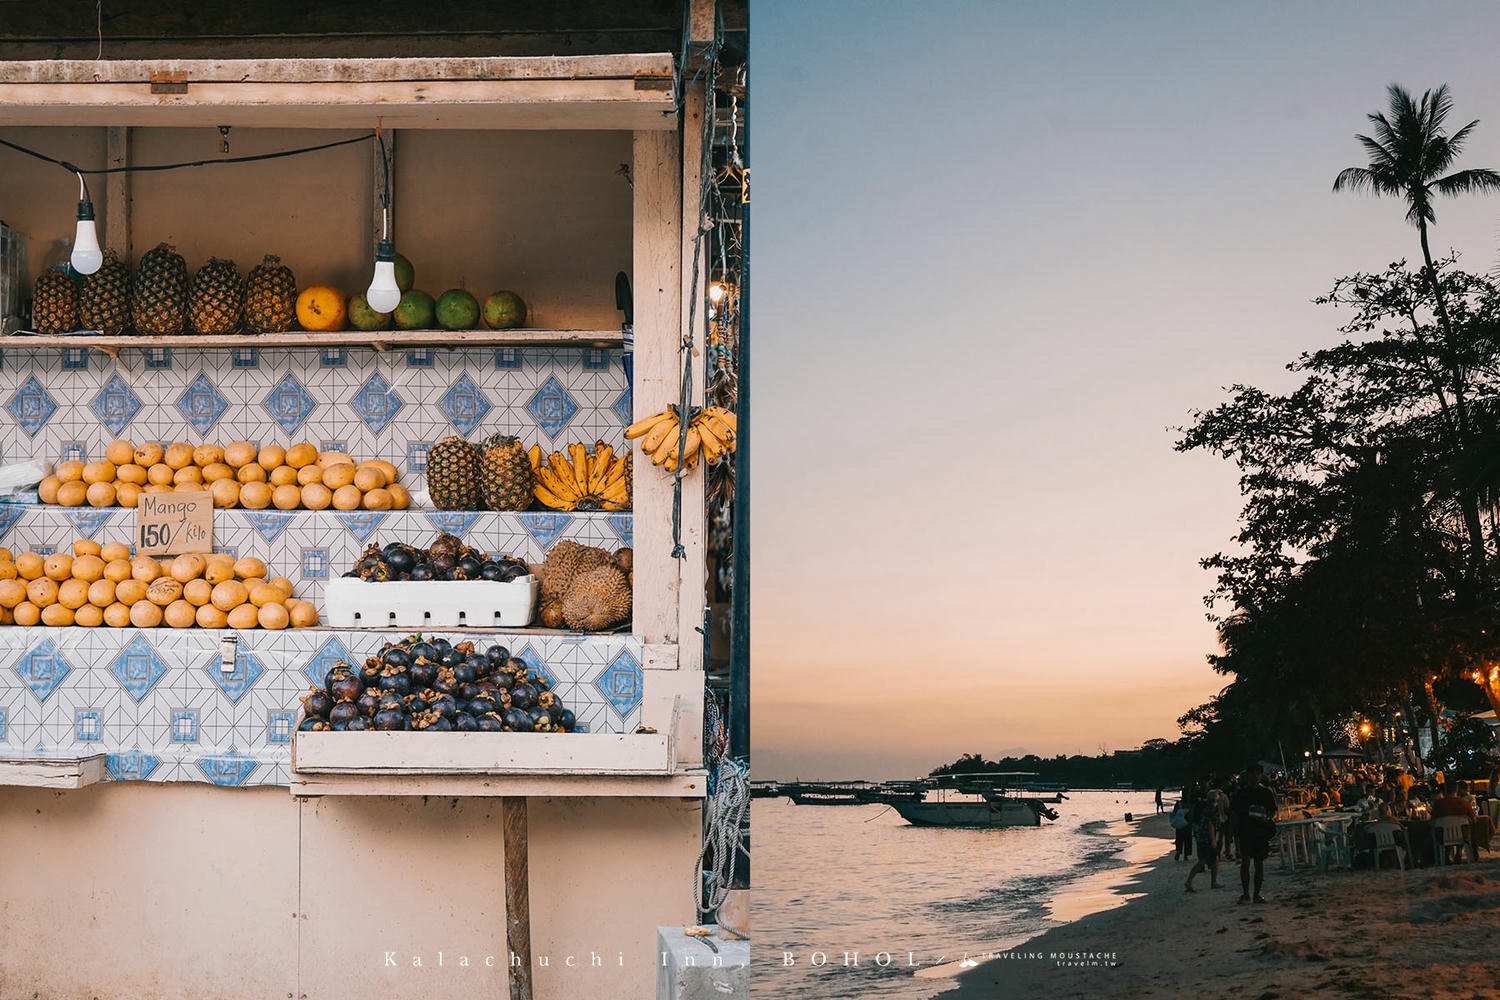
131	592
102	593
229	595
101	494
144	614
198	592
347	497
73	493
335	476
110	551
211	617
117	615
87	547
30	566
250	568
70	471
179	455
271	456
46	490
119	452
207	454
159	474
73	594
316	496
149	454
56	614
321	308
27	613
88	568
42	592
88	616
59	566
273	616
127	494
287	497
251	473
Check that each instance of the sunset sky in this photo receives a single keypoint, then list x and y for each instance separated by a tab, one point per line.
1000	251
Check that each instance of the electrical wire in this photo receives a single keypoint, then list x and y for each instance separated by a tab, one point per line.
151	167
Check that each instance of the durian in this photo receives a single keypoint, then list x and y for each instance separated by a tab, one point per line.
597	600
565	563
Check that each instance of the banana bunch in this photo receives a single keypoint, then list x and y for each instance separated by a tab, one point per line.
579	480
710	436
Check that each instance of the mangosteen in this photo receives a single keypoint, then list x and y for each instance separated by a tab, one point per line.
517	666
541	721
391	702
442	725
402	560
423	651
503	681
464	674
464	723
389	720
422	673
546	700
490	723
358	724
347	688
368	702
480	704
370	673
310	724
343	712
421	571
523	695
517	720
497	655
442	565
396	657
338	727
318	703
451	657
510	574
479	662
416	703
399	683
471	566
467	692
445	706
566	721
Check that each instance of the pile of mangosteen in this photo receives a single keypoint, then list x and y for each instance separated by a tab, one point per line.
434	685
448	558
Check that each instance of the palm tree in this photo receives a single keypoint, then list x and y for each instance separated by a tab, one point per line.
1409	151
1408	154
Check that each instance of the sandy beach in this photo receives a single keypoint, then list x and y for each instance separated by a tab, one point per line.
1388	934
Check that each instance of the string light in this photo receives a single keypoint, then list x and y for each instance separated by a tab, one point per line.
384	294
86	257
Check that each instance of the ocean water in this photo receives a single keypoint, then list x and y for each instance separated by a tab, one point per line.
841	880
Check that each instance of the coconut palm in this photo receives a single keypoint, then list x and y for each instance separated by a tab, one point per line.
1408	153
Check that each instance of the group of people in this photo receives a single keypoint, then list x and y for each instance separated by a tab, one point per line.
1220	819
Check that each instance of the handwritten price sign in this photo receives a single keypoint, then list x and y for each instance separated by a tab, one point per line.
171	524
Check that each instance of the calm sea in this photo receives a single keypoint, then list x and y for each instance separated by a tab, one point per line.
837	879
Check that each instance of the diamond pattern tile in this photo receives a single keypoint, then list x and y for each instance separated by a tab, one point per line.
376	403
464	404
31	406
138	668
552	407
621	683
116	405
202	405
42	669
289	404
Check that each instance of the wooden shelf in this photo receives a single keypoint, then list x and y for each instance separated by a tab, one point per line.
689	784
382	340
48	771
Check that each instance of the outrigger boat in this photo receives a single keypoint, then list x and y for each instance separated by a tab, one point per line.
988	799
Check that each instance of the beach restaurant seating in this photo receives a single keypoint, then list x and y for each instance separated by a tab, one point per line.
1448	833
1385	837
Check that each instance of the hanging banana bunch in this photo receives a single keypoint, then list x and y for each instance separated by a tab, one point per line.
580	480
710	436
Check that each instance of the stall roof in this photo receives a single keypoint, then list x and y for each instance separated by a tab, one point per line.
632	92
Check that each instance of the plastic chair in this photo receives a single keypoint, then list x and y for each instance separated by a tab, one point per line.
1384	835
1449	832
1333	846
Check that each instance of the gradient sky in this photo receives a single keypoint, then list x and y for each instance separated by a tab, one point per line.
1001	249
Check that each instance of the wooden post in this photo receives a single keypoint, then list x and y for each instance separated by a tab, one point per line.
117	193
513	828
657	286
378	177
692	568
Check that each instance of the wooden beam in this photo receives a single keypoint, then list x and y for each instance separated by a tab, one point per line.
117	194
693	569
341	338
93	72
686	784
657	285
514	830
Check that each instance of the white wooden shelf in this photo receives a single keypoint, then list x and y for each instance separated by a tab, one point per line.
46	771
377	340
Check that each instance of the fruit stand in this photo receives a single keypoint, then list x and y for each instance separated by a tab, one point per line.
179	744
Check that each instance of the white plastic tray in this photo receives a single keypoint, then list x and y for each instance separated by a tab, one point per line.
352	603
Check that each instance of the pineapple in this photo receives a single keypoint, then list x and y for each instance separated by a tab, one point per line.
54	303
158	299
270	297
216	298
104	302
453	474
505	478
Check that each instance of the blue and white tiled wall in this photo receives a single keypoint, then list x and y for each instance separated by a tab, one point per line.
157	703
60	403
309	547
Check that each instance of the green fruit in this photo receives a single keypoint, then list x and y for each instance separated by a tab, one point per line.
457	310
504	311
362	317
406	276
415	312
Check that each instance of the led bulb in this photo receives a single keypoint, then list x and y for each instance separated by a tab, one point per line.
716	293
86	258
384	294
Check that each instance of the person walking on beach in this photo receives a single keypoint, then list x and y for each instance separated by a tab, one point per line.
1203	815
1159	807
1253	816
1183	845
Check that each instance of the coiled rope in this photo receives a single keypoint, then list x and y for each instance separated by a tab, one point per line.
724	814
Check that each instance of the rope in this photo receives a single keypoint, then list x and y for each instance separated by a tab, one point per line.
724	816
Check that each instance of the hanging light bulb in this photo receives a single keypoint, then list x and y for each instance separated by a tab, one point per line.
384	294
86	257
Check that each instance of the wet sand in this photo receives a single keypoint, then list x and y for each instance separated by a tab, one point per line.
1369	935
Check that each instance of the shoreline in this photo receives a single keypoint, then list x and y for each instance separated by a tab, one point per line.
1341	934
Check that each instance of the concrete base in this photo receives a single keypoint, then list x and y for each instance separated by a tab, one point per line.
688	969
